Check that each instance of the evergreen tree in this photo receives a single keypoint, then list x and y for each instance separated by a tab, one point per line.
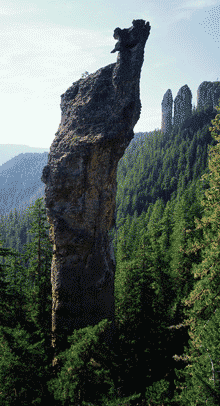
142	300
164	262
11	292
25	365
200	379
39	254
87	371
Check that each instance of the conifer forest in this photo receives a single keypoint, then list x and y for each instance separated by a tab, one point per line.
166	242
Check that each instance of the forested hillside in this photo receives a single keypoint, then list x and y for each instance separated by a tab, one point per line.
20	181
156	167
166	242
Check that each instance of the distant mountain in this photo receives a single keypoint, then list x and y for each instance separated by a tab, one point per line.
8	151
20	174
20	181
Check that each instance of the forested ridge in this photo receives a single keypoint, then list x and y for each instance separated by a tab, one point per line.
166	243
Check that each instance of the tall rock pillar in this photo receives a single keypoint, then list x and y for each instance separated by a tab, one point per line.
182	105
99	113
167	107
208	94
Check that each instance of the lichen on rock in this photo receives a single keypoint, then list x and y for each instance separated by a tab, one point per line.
99	113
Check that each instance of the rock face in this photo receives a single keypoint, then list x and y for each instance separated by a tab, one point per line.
98	116
182	105
182	108
167	107
208	94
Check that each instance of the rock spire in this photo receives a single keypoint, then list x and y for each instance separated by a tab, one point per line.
99	113
167	107
182	105
208	94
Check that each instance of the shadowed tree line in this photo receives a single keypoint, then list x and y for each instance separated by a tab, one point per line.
166	242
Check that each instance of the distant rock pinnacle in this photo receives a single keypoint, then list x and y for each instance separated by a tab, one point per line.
167	107
208	94
182	105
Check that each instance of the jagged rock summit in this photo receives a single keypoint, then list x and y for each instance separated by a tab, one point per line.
182	105
99	113
167	107
208	94
182	108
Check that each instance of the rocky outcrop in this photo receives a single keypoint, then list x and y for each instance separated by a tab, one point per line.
99	113
208	94
167	107
182	108
182	105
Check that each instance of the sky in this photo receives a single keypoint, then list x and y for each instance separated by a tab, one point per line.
46	45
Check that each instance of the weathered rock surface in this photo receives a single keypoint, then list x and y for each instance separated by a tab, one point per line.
182	105
208	94
167	107
99	113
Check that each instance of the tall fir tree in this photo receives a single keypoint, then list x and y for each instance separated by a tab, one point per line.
38	253
25	365
200	379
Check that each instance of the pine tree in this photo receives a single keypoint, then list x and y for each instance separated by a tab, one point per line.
39	255
200	379
11	293
25	366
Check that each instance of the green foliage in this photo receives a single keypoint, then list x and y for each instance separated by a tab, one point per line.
157	167
21	359
25	321
201	374
142	301
156	393
200	379
81	378
166	243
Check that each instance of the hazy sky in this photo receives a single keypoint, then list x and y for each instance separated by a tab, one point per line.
46	45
